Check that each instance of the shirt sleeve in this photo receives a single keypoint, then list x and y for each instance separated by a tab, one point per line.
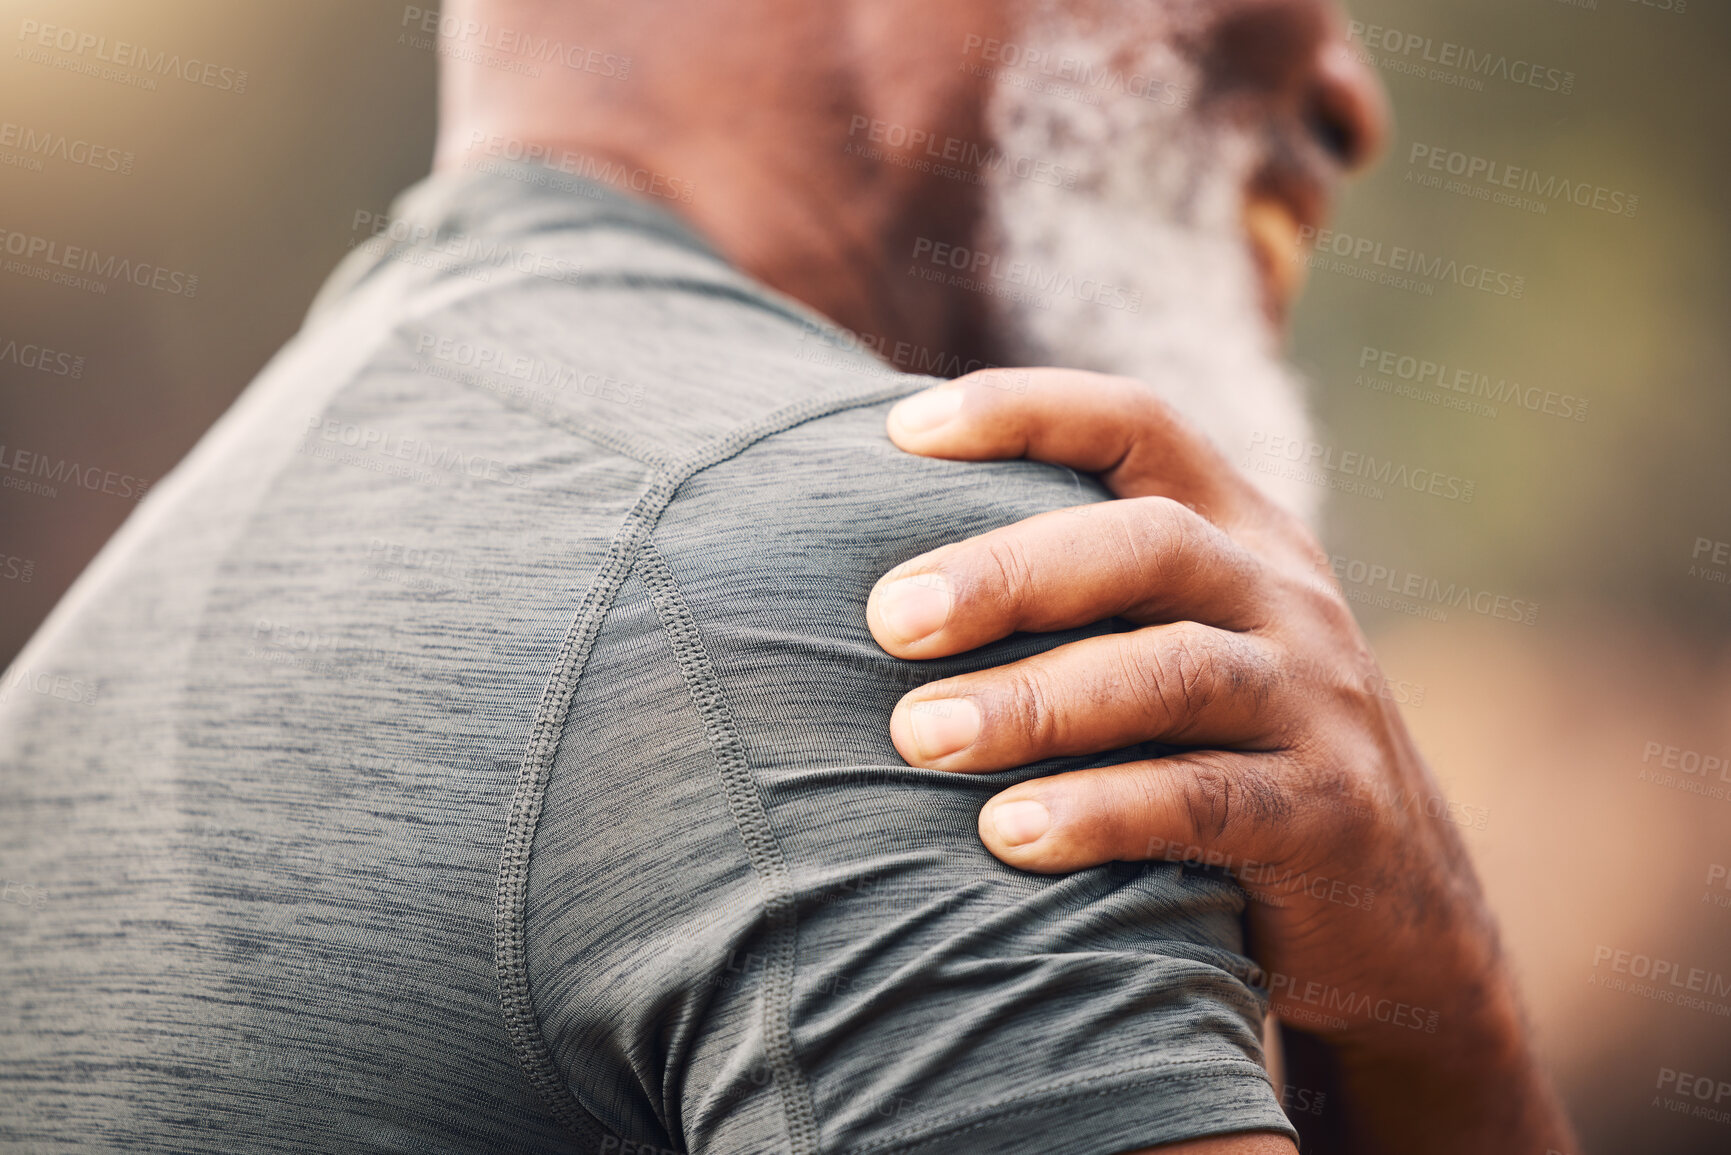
751	927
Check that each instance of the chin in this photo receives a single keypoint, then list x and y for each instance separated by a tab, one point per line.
1140	266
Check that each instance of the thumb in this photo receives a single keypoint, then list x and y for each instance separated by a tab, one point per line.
1208	806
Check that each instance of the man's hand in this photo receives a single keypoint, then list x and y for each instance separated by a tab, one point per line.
1298	775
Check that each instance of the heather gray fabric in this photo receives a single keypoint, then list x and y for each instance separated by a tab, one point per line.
476	745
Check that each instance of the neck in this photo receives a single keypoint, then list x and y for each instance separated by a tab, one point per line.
759	151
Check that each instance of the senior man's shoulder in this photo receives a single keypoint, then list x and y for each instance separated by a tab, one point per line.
605	316
723	837
713	838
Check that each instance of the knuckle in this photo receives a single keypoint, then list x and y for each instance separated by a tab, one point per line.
1322	691
1194	674
1251	669
1007	575
1224	794
1331	608
1153	543
1182	677
1340	797
1160	510
1140	539
1313	598
1186	537
1287	531
1304	539
1343	791
1033	715
1354	689
1177	548
1153	410
1210	801
1140	676
1170	525
1138	804
1243	571
1284	532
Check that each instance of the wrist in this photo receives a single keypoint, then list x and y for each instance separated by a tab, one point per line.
1476	1084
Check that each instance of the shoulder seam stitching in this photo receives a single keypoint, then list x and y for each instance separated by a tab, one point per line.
522	1022
510	955
602	433
751	821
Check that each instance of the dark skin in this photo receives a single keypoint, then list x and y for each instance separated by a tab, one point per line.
751	102
1303	782
1301	776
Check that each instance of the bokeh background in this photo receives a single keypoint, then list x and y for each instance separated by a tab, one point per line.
1542	727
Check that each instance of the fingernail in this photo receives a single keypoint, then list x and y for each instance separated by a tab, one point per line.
943	725
926	411
912	608
1019	823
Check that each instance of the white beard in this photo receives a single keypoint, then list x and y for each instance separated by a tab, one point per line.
1156	207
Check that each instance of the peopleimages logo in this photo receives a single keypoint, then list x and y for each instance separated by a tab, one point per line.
1501	182
473	255
36	146
1717	567
829	345
985	272
1470	383
1401	267
1454	63
1349	471
952	157
1721	874
460	38
65	687
28	355
1331	1002
1703	1089
577	164
23	894
536	375
29	247
1677	977
1374	578
1688	771
1061	74
122	55
53	472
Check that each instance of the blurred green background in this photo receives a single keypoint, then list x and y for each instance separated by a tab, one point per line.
1544	726
1632	313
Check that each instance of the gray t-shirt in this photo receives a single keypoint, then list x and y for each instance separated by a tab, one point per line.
476	745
